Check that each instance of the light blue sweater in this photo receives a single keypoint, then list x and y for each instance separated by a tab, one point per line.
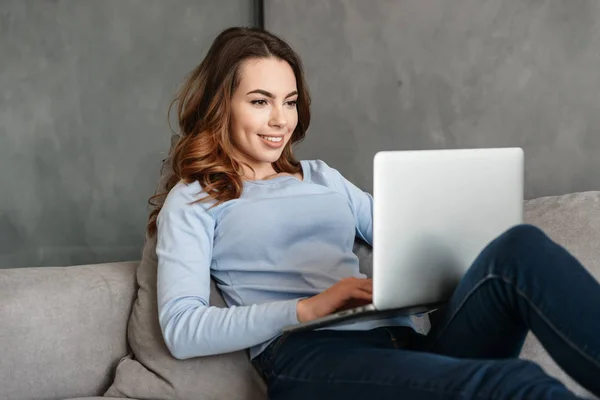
282	240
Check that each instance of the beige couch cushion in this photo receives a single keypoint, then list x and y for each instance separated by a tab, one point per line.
572	220
62	329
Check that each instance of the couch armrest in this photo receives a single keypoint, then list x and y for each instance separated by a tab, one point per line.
63	329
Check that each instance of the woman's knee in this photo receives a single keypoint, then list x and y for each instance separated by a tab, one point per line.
522	238
525	232
518	247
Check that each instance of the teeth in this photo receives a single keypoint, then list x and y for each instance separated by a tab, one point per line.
272	139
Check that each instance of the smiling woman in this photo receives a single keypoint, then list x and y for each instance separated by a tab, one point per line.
239	111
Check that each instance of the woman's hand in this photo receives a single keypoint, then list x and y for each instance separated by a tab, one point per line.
347	293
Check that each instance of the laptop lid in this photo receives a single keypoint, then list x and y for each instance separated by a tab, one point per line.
434	211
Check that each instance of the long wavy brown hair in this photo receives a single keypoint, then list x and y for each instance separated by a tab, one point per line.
204	152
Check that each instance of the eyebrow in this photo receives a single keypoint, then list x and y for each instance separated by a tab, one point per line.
271	95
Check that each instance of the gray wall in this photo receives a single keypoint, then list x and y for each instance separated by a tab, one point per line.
422	74
84	90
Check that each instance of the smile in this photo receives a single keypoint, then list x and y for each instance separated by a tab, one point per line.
272	138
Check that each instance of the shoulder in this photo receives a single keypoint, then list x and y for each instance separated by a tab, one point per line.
182	219
323	173
319	168
183	198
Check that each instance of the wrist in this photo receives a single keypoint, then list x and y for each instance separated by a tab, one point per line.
303	310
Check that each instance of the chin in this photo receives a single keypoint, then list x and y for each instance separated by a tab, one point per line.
270	158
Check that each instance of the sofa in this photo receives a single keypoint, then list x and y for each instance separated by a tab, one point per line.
66	332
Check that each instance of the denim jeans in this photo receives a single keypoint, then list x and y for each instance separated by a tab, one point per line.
521	281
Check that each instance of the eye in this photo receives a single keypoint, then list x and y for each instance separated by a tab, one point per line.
292	103
259	102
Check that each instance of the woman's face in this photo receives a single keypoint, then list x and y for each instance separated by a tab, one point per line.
263	112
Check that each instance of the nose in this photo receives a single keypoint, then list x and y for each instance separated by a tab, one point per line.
278	118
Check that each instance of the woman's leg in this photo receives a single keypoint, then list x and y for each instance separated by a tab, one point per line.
521	281
331	364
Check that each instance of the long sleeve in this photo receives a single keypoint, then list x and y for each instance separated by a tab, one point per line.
361	203
190	326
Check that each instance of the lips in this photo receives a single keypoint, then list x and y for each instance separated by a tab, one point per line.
272	136
271	143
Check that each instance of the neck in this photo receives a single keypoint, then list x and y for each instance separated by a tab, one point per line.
261	172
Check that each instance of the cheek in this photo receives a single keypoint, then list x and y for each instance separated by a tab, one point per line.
292	121
252	121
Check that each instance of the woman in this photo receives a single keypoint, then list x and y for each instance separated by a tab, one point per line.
276	234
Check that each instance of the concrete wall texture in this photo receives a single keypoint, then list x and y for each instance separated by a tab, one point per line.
84	91
436	74
85	86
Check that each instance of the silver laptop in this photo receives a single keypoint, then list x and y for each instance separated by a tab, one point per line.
434	211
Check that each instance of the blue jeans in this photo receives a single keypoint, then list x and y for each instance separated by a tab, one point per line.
521	281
